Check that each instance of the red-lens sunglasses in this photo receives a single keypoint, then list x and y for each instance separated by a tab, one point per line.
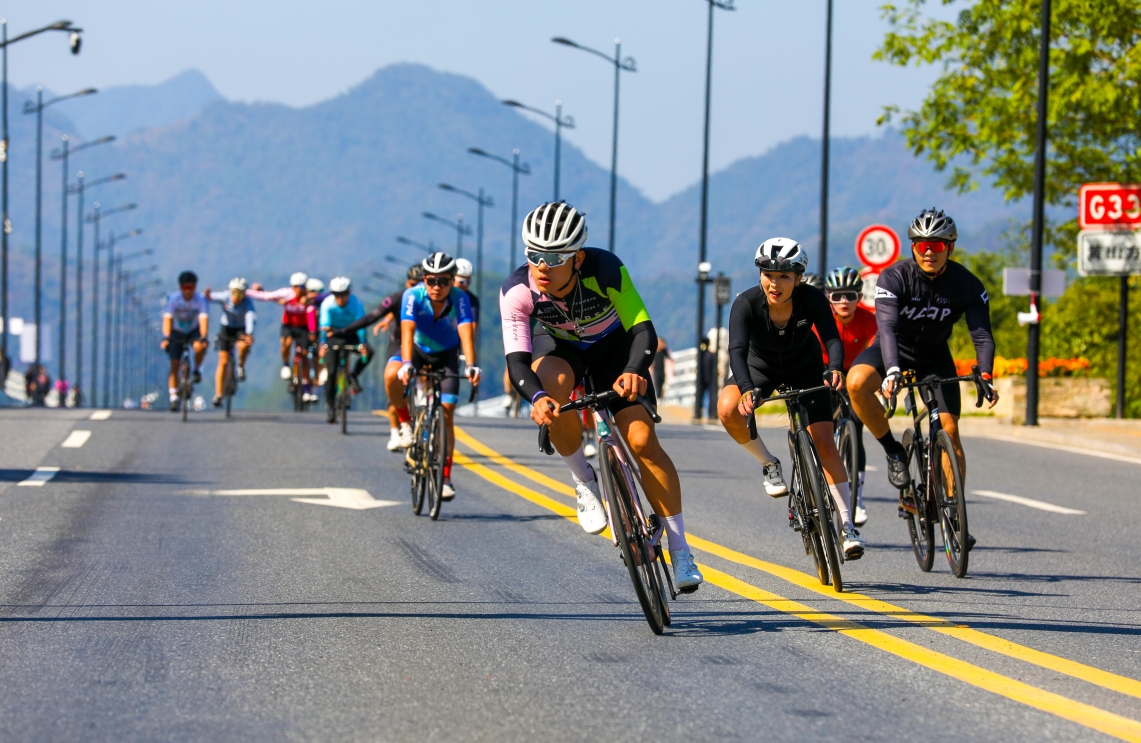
935	246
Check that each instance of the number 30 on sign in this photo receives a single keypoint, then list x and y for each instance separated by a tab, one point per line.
877	246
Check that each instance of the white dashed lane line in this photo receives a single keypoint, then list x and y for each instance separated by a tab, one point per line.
39	477
76	439
1040	505
99	415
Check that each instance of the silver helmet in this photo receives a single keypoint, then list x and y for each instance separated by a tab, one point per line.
933	225
844	278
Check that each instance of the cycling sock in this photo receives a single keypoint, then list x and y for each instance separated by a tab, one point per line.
675	532
173	393
757	448
403	415
448	468
860	491
889	444
840	495
578	466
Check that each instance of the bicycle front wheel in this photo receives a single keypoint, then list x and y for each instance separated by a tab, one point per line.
848	445
799	506
920	525
952	505
228	389
342	404
185	388
820	497
437	454
639	563
414	465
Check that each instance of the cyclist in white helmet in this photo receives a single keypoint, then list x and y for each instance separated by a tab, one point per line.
238	320
339	309
771	343
589	316
464	271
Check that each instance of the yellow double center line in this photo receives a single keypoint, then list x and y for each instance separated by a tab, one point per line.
1055	704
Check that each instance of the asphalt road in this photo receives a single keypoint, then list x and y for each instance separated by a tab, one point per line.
145	594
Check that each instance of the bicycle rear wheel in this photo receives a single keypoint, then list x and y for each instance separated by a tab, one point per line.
230	383
414	465
298	387
183	386
847	443
634	550
341	402
437	453
920	525
948	491
820	498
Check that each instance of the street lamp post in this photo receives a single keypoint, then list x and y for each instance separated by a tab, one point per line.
482	201
516	170
1039	218
64	154
75	41
620	65
703	270
459	226
560	122
824	153
109	246
95	218
38	109
115	319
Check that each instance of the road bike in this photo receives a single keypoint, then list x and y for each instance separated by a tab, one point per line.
424	460
230	374
811	511
185	382
637	535
299	372
848	433
936	491
343	386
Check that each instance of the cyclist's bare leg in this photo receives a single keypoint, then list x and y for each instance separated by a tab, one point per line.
951	426
863	383
243	352
394	388
172	380
450	425
833	464
200	347
220	375
736	425
659	476
559	382
286	347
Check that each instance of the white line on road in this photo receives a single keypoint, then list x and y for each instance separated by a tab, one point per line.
355	499
1088	451
1040	505
76	439
39	477
99	415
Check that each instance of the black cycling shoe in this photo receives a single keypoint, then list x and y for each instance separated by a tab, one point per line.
330	415
355	384
217	401
970	542
241	373
897	473
197	377
175	405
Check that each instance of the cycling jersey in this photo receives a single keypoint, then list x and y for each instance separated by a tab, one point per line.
335	316
237	316
755	342
390	305
435	334
916	312
184	313
295	312
474	304
856	336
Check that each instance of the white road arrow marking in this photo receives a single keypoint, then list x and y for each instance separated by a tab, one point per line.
76	439
39	477
99	415
1040	505
355	499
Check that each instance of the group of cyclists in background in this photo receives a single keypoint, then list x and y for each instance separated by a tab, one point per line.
572	312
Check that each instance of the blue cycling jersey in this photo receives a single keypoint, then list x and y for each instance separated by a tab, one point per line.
433	334
334	316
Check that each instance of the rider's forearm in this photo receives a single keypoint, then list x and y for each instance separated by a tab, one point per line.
203	325
167	325
523	378
835	348
407	334
978	323
467	343
368	319
887	318
643	346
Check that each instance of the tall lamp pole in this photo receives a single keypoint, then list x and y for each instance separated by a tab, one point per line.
826	139
459	226
703	245
96	217
114	271
482	201
516	171
560	122
620	65
75	40
1034	329
37	108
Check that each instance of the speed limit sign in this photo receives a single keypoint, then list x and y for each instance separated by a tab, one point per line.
868	292
877	246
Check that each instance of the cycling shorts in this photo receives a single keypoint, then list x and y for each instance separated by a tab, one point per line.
300	335
809	373
448	359
605	361
178	340
397	359
227	337
938	362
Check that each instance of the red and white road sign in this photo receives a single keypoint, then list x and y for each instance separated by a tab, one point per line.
877	246
1109	206
868	292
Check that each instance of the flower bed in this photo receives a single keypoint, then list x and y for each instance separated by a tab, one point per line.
1003	367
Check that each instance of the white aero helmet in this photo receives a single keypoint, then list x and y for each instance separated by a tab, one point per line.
555	227
339	284
239	284
439	262
464	268
314	285
781	254
298	279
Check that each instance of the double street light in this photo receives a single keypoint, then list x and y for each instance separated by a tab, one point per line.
115	310
74	42
516	170
125	292
560	122
620	66
37	108
429	246
459	226
96	218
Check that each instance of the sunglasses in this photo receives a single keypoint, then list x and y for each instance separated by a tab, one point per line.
443	281
935	246
843	296
537	257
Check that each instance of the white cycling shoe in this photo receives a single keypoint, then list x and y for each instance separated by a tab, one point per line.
394	440
853	544
591	514
286	372
404	435
774	480
589	450
860	517
449	492
686	575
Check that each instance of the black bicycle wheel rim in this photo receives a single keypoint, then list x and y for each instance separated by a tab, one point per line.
850	453
812	545
814	480
633	551
228	385
919	525
183	385
437	453
414	462
951	504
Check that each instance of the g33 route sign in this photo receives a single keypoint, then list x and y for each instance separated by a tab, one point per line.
877	246
1108	206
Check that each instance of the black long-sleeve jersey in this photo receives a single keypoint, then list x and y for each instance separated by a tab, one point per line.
916	312
755	341
390	305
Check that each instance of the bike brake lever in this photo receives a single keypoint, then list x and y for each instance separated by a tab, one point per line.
650	409
545	440
751	420
980	393
891	402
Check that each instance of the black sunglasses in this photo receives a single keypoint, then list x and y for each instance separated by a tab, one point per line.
445	281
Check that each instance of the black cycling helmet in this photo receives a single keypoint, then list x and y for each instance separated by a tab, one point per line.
812	279
933	225
187	277
416	273
844	278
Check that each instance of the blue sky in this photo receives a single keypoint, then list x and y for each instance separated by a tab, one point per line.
768	62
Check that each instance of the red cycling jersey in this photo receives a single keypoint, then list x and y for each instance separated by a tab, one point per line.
296	314
857	335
